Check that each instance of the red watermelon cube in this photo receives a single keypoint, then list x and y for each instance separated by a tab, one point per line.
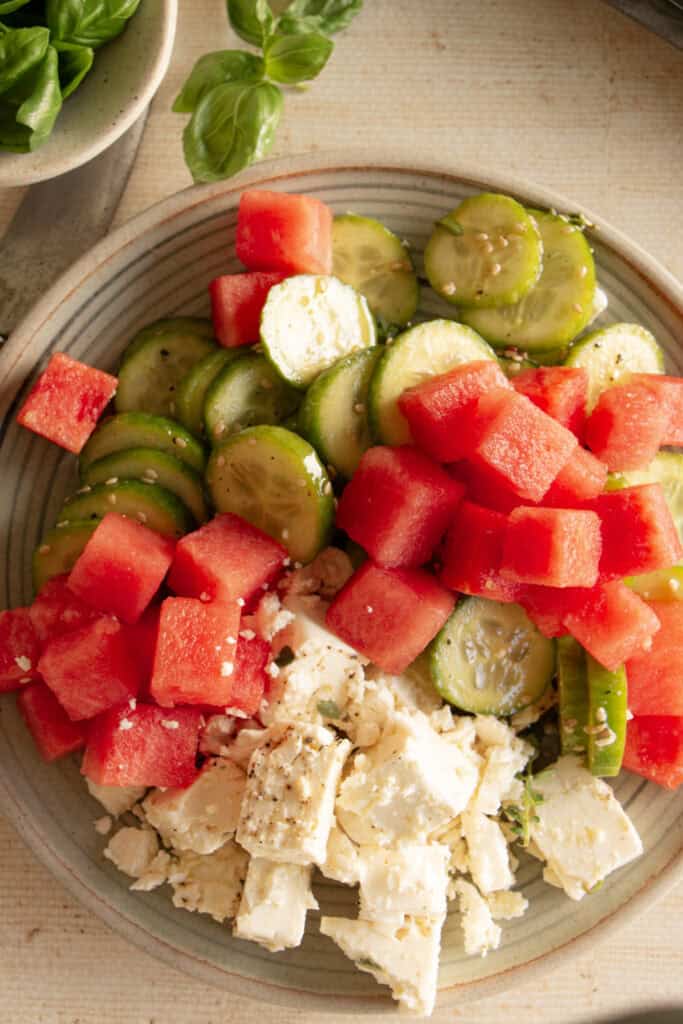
57	610
483	488
560	391
121	567
19	649
237	301
473	554
278	231
552	547
66	402
250	678
54	733
638	533
655	677
143	640
397	505
581	479
228	559
612	623
627	427
654	749
143	746
669	392
436	409
92	668
547	606
194	660
389	615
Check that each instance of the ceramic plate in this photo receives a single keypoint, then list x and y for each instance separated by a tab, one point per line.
160	264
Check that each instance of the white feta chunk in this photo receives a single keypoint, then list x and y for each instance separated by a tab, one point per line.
275	900
582	832
413	690
409	879
506	905
499	767
210	883
132	850
487	853
270	617
307	632
480	931
342	861
288	806
246	741
158	872
216	735
202	816
116	800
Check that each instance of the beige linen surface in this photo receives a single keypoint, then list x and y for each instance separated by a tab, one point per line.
563	92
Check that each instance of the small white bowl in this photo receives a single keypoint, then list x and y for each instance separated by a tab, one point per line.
126	74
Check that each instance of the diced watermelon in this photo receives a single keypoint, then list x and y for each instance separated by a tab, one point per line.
228	559
389	615
397	505
143	639
236	304
638	533
436	409
519	444
121	567
143	746
547	606
57	610
278	231
66	402
92	668
655	677
654	749
19	649
53	731
552	547
194	661
560	391
627	427
581	479
612	623
484	488
668	391
250	679
473	554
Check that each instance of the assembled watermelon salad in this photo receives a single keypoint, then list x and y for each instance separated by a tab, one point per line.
344	589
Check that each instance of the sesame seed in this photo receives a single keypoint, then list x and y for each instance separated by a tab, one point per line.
170	723
24	663
287	561
25	679
503	241
331	470
482	236
298	565
111	498
327	488
132	703
64	522
142	516
204	596
629	715
111	481
285	534
583	271
273	670
606	738
180	441
577	307
219	429
247	634
84	490
151	473
567	230
125	724
449	288
230	640
241	602
601	714
496	269
674	585
359	408
44	549
227	668
369	609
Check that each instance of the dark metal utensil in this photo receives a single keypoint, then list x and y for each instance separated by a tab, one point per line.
665	17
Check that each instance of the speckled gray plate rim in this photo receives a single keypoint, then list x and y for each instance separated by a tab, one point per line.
160	262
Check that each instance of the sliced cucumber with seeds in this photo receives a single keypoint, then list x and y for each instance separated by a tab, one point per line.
613	352
246	392
369	257
58	550
152	467
142	430
309	322
572	682
333	415
607	717
423	351
156	361
194	385
666	469
274	479
660	585
490	659
486	252
148	503
559	305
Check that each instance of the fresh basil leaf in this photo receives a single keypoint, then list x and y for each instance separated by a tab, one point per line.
29	109
216	69
20	50
297	58
7	6
252	20
74	64
328	16
233	126
89	22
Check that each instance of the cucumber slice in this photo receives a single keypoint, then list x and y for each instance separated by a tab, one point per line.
156	361
666	469
558	307
512	361
660	585
613	352
423	351
141	430
194	385
607	717
333	414
58	551
572	681
246	392
490	659
309	322
152	467
369	257
487	252
274	479
148	503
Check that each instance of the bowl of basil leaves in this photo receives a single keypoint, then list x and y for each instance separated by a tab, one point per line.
74	75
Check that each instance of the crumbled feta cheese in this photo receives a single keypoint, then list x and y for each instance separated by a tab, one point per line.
227	668
132	850
498	772
243	746
158	872
307	633
411	691
277	821
408	879
341	862
275	900
203	816
270	618
103	825
116	800
479	929
582	832
506	905
210	883
487	853
216	734
405	957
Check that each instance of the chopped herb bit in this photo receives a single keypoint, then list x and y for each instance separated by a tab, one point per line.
329	709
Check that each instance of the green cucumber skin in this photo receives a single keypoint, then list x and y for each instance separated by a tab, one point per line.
573	695
162	510
200	326
223	399
64	545
142	430
194	386
640	354
609	691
